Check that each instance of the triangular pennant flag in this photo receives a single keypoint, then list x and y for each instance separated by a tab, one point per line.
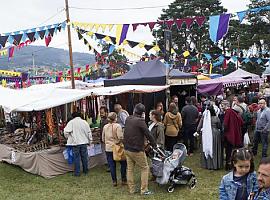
63	25
135	26
218	26
160	22
111	49
48	39
189	22
85	41
132	44
141	45
148	47
259	61
241	15
46	32
96	26
24	37
100	36
51	31
200	20
3	40
17	39
207	56
41	34
253	59
113	39
107	39
80	35
179	23
36	37
42	28
103	27
31	36
246	60
151	25
186	54
59	27
121	33
169	24
110	26
240	59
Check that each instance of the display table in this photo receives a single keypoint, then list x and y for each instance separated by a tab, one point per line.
47	163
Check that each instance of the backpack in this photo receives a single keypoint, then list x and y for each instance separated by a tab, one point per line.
246	116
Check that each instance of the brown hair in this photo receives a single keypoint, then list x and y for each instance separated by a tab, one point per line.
112	117
156	114
243	154
172	107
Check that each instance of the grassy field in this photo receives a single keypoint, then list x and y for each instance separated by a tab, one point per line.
16	184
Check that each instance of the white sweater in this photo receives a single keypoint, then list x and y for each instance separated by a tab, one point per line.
77	132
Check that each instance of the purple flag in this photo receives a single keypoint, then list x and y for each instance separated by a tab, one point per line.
219	25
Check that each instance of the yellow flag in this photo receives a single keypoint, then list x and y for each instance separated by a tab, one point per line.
110	26
103	27
186	54
210	68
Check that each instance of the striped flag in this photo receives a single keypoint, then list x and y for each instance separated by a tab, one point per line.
121	33
219	25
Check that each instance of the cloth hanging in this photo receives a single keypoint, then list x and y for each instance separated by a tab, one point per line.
207	136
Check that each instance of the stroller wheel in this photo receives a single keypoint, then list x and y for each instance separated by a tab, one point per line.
192	182
170	189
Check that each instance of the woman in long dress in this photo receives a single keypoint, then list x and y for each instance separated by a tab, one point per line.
210	125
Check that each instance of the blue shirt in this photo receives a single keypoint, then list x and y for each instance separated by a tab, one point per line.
263	120
263	195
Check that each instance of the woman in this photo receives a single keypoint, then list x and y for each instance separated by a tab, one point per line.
173	123
157	128
112	134
212	156
159	108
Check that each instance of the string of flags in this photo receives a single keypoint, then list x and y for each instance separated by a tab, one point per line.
16	38
242	14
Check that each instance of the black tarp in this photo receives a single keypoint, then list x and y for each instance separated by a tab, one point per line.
147	73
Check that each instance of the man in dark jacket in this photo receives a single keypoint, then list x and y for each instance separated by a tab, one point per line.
134	139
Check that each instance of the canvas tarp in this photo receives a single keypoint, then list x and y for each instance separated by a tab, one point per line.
35	100
47	163
148	73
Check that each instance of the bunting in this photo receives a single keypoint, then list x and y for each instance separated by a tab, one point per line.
242	14
219	25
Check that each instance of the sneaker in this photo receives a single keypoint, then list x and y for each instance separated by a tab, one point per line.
148	192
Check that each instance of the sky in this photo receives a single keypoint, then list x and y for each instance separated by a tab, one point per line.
18	15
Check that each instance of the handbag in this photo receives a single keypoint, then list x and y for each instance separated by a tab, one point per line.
118	149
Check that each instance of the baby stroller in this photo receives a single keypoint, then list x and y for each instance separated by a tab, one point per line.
168	167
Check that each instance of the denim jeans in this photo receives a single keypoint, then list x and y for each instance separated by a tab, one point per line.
112	165
264	138
80	152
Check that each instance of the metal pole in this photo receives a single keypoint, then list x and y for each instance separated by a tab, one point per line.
70	47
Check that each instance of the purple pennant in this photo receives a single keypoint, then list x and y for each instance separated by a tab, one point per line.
179	23
135	26
123	33
189	22
151	25
223	26
3	40
200	20
169	23
218	26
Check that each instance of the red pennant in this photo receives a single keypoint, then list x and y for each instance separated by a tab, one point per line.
135	26
200	20
224	64
69	72
179	23
87	68
151	25
78	70
48	39
160	22
169	23
60	73
189	22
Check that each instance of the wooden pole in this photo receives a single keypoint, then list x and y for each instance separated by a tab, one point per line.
70	47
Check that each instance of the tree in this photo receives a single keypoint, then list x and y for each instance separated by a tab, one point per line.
198	36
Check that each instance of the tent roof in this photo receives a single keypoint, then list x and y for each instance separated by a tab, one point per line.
147	73
240	73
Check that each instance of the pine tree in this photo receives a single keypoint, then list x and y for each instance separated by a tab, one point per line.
199	36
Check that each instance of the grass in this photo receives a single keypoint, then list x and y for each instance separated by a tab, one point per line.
17	184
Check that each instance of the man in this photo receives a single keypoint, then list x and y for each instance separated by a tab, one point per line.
175	100
232	123
134	138
190	116
262	128
78	135
263	180
240	106
103	112
121	115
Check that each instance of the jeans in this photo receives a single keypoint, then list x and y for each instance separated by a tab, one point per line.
189	137
112	166
80	151
264	138
139	159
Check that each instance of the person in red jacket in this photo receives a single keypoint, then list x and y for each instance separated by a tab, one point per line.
233	123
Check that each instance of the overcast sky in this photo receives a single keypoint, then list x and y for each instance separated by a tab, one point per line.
23	14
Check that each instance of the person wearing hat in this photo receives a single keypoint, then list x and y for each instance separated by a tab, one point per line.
135	133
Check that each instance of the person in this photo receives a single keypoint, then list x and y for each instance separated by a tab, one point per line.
253	108
240	106
135	133
113	134
159	108
156	128
78	134
103	112
262	128
232	124
210	123
121	115
241	182
263	178
190	117
173	123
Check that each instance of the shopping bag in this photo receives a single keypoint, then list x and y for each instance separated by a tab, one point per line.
246	139
118	152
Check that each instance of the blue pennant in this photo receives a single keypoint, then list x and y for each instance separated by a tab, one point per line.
10	39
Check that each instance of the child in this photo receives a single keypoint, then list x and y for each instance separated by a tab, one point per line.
241	183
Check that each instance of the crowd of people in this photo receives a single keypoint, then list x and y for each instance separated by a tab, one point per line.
226	124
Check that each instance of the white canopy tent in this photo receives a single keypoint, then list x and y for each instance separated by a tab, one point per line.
45	98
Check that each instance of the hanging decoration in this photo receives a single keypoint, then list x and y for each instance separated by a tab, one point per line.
242	14
18	37
219	25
